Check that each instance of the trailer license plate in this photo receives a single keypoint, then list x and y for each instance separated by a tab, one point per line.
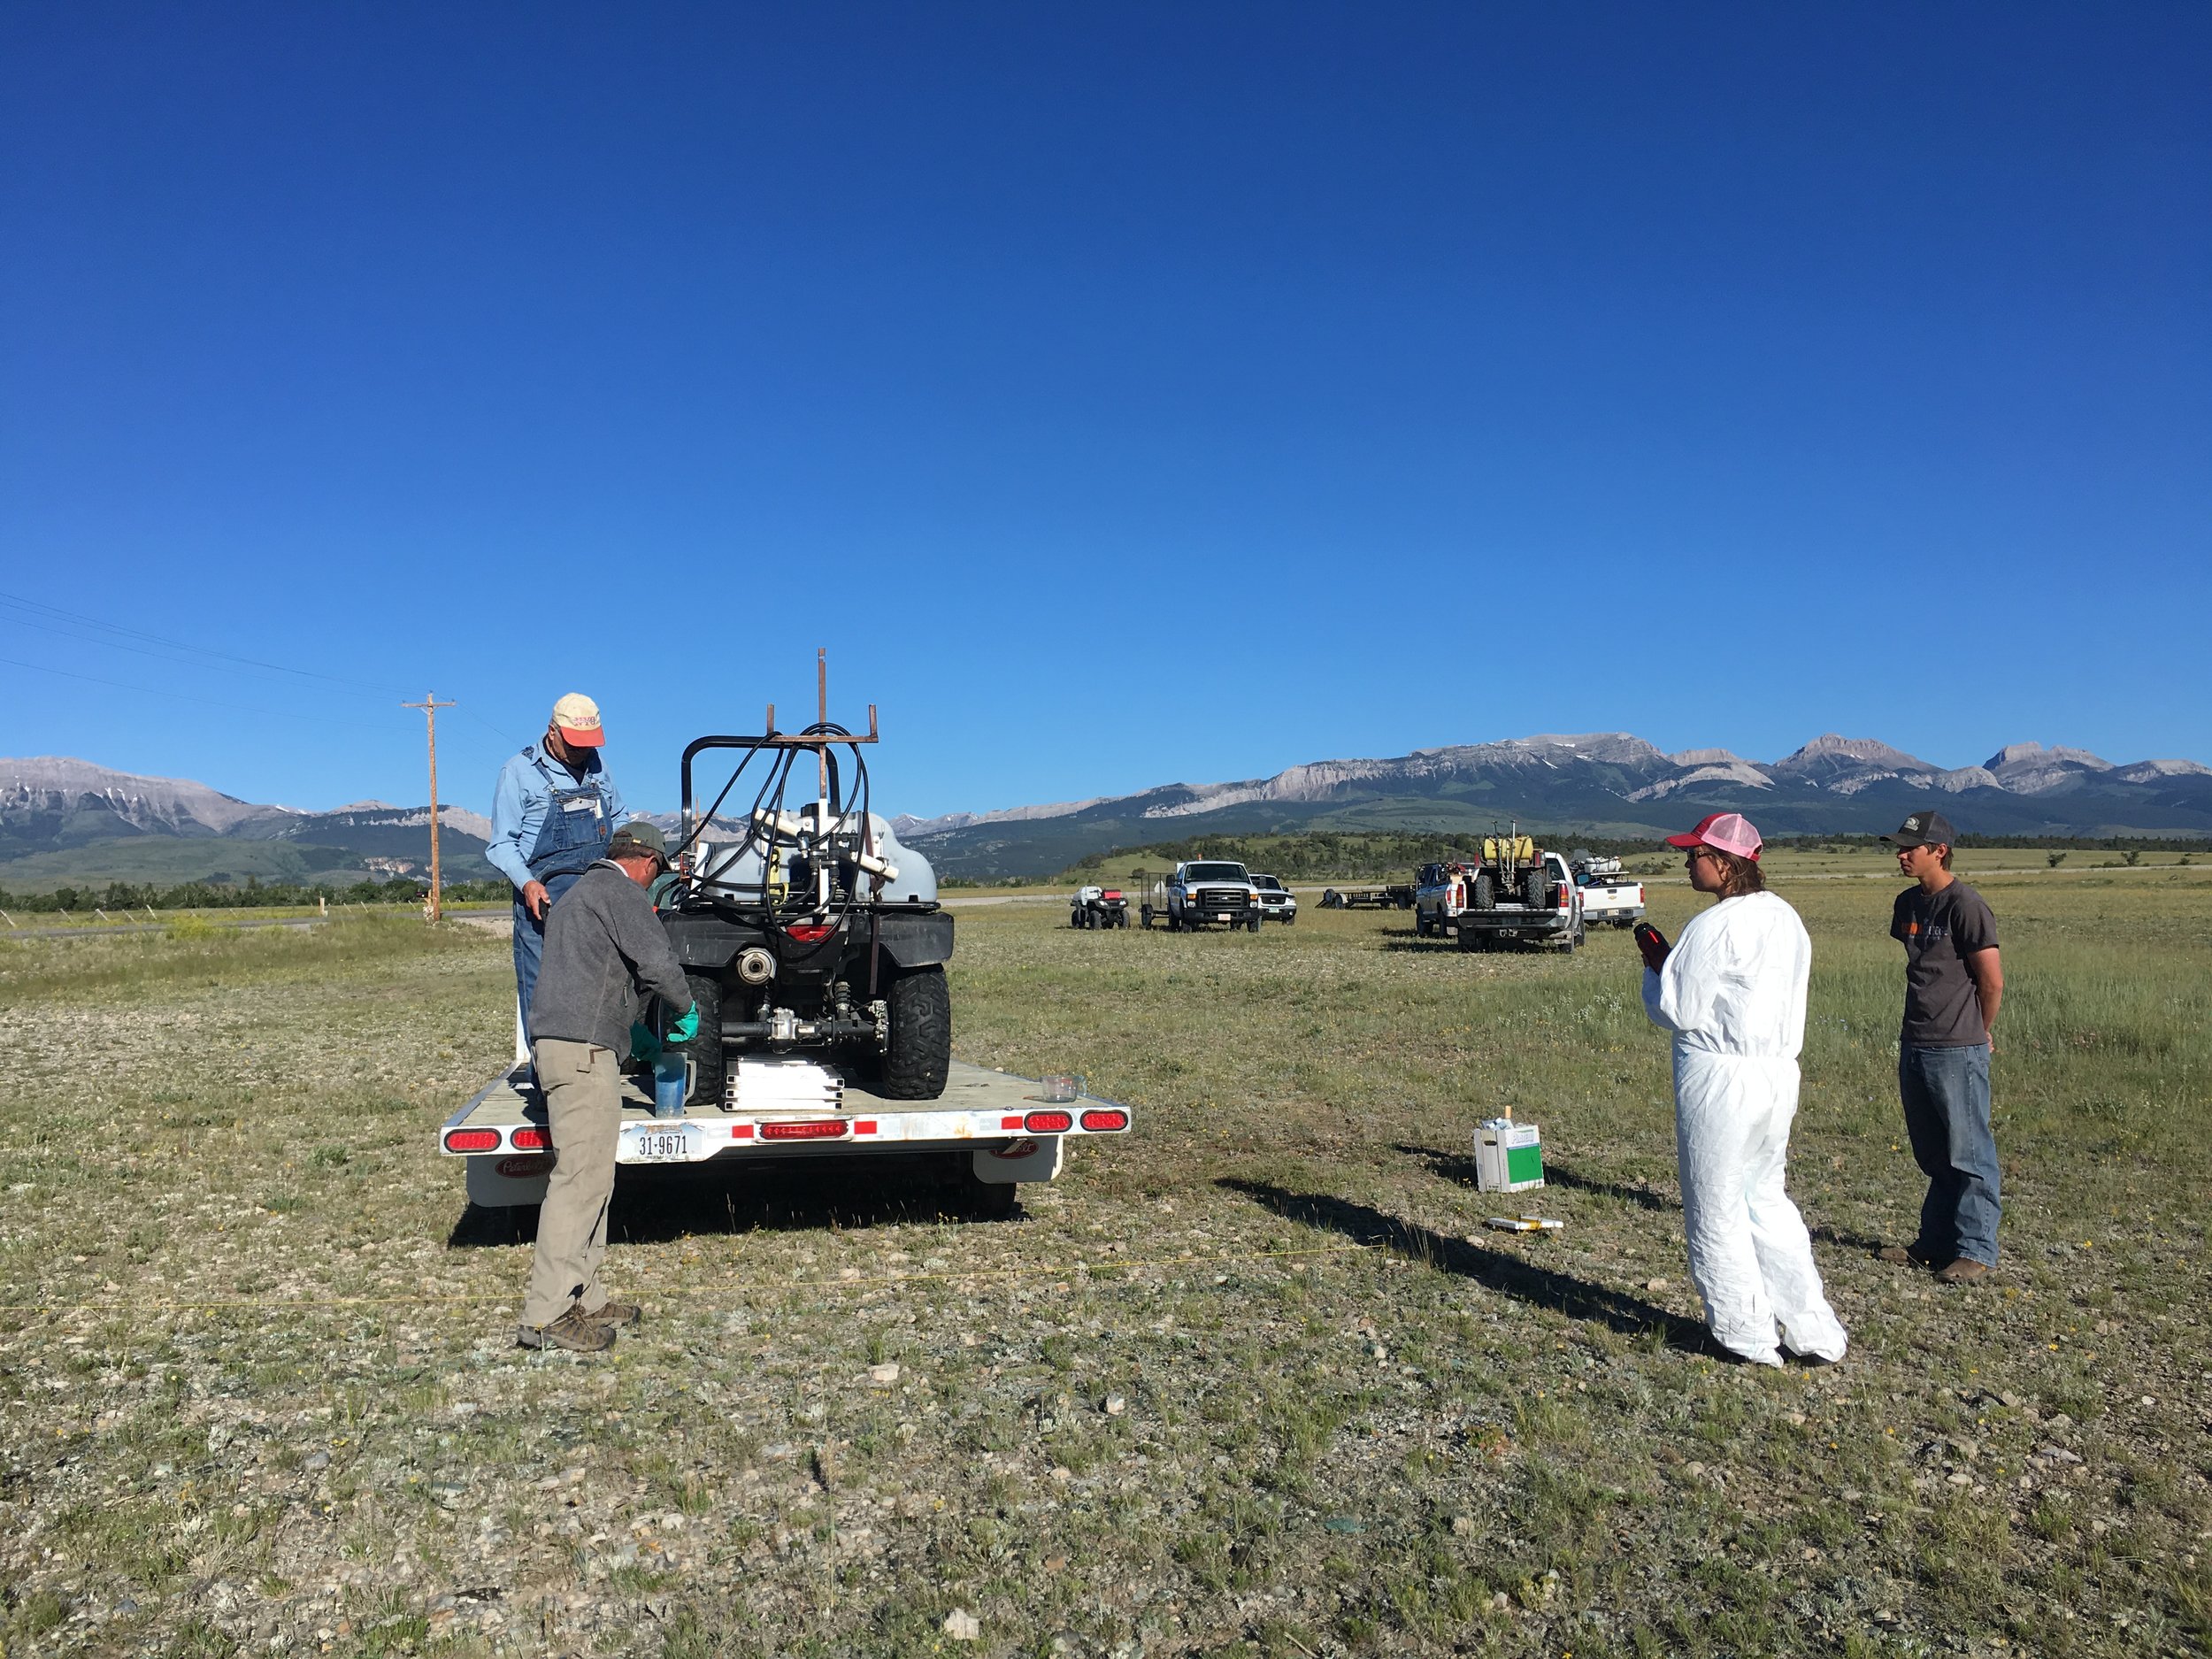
661	1143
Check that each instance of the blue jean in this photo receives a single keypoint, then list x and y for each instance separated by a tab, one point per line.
1945	1096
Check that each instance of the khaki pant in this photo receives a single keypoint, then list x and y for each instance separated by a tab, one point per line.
583	1107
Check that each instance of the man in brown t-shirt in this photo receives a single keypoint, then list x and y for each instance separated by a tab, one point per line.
1953	986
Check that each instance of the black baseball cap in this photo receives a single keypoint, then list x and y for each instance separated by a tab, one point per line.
1924	829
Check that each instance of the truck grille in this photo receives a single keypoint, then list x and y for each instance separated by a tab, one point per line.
1222	898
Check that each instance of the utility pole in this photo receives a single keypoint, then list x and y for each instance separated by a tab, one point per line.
430	705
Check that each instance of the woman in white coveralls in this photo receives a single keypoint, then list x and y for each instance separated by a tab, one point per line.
1731	989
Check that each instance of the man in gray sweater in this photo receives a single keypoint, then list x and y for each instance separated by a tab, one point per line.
605	953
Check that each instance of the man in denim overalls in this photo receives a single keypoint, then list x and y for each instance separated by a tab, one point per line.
553	814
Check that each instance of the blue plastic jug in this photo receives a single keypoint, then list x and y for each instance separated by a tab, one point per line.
673	1077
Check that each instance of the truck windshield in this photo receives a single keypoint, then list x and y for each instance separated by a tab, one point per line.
1214	873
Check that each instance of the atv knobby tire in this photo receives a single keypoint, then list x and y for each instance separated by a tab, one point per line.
1533	887
711	1085
914	1066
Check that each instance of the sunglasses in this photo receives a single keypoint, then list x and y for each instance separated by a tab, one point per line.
1697	853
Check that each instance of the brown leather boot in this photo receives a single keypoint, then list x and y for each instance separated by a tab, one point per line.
1965	1270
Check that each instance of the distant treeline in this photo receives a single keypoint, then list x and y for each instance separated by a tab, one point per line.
120	896
1371	854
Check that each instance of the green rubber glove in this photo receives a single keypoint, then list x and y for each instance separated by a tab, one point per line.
643	1044
686	1028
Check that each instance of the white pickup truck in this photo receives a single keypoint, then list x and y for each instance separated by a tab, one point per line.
1277	901
1609	898
1202	893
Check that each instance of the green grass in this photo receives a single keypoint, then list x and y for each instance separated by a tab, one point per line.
253	1383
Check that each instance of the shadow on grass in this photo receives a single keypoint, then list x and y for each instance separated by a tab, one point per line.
660	1206
1459	1168
1454	1167
1495	1270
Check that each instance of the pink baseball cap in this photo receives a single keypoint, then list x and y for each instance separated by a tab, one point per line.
1723	832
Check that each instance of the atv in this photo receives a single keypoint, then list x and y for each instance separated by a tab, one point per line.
808	933
1098	907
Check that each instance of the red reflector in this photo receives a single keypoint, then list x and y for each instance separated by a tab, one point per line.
1048	1123
472	1139
864	1125
1009	1123
740	1132
810	933
813	1129
531	1139
1096	1120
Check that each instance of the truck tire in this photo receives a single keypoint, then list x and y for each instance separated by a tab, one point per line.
921	1054
1533	885
1256	923
1486	895
1469	939
1420	923
705	1047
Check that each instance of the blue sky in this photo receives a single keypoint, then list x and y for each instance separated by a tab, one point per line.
1121	393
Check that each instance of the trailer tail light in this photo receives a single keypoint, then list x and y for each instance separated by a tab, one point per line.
529	1137
1049	1123
810	933
1098	1122
809	1129
472	1140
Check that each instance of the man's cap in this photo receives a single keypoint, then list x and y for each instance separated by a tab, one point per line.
1924	829
1723	832
578	718
639	839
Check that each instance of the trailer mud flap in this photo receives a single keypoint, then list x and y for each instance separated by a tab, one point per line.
1040	1161
512	1177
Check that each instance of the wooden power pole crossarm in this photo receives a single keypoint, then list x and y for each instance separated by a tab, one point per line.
430	705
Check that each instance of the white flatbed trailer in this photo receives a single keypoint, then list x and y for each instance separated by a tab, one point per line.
1013	1133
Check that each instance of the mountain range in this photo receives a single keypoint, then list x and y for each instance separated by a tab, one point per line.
1603	784
69	821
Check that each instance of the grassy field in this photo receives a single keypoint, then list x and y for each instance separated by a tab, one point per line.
1251	1380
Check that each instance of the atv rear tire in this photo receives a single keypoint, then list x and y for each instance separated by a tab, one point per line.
1533	887
914	1066
705	1047
1485	894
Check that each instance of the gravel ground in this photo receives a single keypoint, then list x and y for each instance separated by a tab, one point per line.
1254	1380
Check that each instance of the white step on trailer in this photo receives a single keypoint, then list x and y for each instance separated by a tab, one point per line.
1011	1132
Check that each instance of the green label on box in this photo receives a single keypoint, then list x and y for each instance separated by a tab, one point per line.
1523	1164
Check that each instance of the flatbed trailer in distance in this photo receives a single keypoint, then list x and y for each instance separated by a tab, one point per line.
1396	896
991	1129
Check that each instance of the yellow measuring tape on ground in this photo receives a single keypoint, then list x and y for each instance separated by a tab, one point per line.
752	1287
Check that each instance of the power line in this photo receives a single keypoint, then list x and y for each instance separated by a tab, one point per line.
47	617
